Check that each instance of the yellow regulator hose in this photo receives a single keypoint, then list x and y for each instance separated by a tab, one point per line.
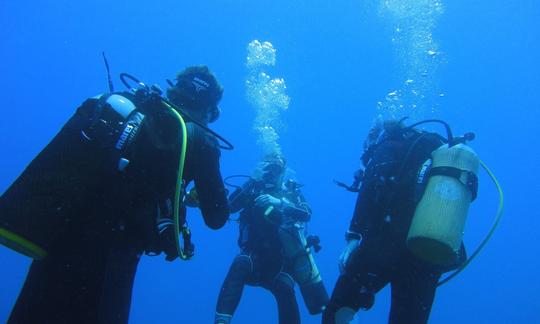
491	231
179	182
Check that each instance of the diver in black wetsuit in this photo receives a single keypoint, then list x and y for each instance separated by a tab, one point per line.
274	253
102	193
376	252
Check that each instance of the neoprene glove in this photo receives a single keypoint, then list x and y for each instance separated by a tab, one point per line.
352	246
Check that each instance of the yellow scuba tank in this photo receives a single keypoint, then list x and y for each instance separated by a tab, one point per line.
304	270
438	224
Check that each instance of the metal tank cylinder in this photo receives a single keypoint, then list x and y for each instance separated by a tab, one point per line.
438	225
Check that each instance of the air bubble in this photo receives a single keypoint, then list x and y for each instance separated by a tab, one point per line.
266	95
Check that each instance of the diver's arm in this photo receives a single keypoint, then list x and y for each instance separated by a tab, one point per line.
361	215
211	191
369	208
241	196
371	204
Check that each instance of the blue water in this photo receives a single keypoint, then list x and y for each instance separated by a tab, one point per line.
338	60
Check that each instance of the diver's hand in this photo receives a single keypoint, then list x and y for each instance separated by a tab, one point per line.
352	246
267	200
191	199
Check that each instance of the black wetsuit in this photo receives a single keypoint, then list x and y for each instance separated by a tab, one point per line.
261	262
382	216
95	222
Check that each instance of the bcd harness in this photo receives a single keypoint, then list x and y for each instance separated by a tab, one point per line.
469	179
465	177
115	124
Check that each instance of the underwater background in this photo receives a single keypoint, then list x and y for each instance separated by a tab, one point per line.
339	64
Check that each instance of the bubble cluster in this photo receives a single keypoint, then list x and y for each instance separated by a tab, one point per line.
260	54
419	56
266	95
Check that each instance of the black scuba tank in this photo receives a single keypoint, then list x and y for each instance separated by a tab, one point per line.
114	124
67	180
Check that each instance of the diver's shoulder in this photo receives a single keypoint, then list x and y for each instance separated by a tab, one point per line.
202	138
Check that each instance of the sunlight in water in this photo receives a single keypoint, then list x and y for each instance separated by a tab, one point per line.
419	57
266	95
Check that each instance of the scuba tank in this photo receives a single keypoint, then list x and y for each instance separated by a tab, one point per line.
450	184
447	183
438	224
295	248
68	174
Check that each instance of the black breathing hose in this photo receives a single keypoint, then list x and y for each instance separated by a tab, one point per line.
449	135
125	76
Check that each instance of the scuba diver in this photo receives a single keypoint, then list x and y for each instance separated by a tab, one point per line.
274	250
408	222
107	189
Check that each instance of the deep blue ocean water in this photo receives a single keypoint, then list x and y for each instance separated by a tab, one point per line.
338	61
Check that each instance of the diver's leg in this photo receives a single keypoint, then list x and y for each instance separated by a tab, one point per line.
87	278
65	287
355	289
413	292
232	288
283	290
120	269
343	303
43	295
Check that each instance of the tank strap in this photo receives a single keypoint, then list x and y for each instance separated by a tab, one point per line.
468	178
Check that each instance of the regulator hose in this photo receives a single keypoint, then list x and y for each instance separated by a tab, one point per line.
179	184
490	233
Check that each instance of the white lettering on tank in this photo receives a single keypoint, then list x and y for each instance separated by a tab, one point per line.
124	137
